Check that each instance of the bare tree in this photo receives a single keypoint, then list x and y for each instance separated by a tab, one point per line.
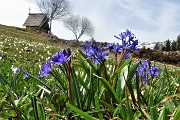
55	9
79	26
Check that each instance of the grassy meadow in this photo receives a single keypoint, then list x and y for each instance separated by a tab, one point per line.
79	88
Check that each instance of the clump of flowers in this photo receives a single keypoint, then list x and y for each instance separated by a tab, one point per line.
95	53
147	71
60	58
129	43
115	48
63	61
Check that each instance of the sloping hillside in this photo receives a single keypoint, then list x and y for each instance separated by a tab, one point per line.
23	46
23	33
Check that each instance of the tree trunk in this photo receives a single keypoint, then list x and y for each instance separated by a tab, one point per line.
80	35
76	35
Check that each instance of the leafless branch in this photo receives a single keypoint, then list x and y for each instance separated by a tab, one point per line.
79	26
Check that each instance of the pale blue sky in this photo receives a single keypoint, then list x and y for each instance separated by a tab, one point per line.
149	20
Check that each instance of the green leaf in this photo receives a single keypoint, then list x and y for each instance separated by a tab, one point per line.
123	76
76	88
153	112
109	88
109	106
136	115
3	80
120	68
93	112
81	113
121	81
40	81
98	107
60	80
34	105
163	114
42	115
151	101
129	109
121	110
177	114
131	74
9	114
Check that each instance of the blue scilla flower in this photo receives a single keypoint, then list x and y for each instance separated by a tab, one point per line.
129	41
61	57
115	48
67	53
146	70
46	69
26	75
100	56
95	53
155	71
109	46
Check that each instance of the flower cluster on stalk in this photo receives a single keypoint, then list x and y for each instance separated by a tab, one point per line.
129	43
95	53
59	58
147	71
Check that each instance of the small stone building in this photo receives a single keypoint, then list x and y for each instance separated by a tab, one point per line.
37	21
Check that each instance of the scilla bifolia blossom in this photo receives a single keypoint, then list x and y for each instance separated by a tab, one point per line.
46	69
115	48
95	53
59	58
147	71
129	41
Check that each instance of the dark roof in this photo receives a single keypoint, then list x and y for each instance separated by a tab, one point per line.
35	19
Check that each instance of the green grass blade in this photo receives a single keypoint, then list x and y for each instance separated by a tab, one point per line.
94	112
109	88
131	74
136	115
121	110
129	109
97	106
42	115
3	80
153	112
34	105
81	113
120	68
109	106
40	81
163	114
177	114
76	88
58	77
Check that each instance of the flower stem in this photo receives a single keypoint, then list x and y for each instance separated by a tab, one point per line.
69	81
